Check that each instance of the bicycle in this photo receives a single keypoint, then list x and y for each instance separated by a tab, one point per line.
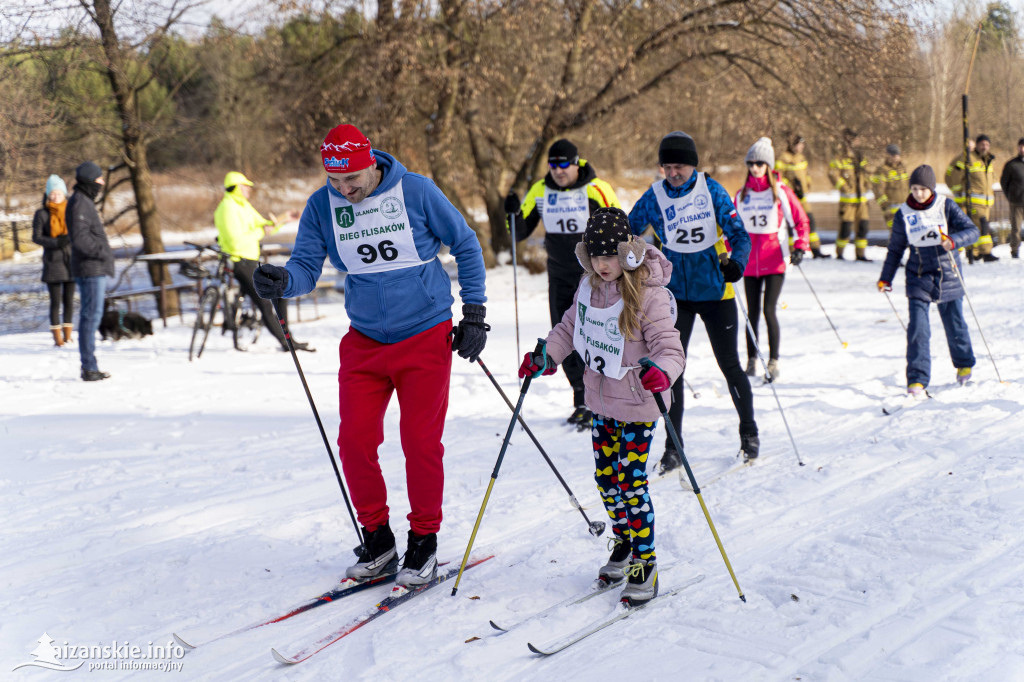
240	314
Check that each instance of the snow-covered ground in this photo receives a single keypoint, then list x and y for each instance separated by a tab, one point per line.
197	497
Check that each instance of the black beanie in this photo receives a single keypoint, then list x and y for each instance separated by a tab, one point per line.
606	229
563	150
923	176
677	147
88	171
983	138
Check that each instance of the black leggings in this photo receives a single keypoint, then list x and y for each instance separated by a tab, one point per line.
61	292
772	285
243	274
720	320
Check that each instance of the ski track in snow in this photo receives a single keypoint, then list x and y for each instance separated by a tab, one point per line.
196	498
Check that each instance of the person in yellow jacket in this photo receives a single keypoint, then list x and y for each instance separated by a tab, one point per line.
240	228
848	173
972	191
792	166
891	182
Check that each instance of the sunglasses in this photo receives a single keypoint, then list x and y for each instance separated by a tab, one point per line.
561	164
752	164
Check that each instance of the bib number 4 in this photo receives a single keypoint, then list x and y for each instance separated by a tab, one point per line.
385	250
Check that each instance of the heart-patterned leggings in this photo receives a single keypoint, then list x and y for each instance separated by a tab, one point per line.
621	450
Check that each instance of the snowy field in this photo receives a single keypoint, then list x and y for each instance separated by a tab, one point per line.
197	497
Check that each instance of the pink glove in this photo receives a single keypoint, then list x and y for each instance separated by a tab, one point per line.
537	364
655	380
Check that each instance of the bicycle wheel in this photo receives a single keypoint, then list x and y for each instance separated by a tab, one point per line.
204	321
248	322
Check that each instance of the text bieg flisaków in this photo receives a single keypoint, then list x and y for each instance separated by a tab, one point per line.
371	232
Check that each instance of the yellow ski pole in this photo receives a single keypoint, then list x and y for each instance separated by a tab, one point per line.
542	350
646	362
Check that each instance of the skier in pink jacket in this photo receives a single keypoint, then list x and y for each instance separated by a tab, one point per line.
620	314
768	208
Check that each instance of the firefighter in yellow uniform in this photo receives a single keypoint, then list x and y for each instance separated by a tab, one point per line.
972	191
891	182
849	174
792	166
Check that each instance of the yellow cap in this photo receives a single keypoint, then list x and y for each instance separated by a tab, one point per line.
234	178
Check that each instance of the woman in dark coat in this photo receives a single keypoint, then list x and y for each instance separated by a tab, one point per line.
50	231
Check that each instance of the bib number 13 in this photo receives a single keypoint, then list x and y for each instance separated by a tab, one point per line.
385	250
694	236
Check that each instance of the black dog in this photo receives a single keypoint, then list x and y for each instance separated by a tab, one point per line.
120	325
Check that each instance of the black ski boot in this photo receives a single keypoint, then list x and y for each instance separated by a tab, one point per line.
670	461
580	418
750	444
614	571
420	564
377	554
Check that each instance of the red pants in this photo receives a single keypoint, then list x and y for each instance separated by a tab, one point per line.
419	369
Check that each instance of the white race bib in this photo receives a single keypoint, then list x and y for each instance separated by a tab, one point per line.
759	212
690	223
374	235
925	228
565	211
596	335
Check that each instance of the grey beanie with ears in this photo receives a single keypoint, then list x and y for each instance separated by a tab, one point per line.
608	234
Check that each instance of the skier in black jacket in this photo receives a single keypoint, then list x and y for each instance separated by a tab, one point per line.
563	201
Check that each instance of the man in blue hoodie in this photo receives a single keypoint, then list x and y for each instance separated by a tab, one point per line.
691	213
384	226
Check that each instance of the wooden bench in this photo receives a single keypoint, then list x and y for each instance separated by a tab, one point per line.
162	290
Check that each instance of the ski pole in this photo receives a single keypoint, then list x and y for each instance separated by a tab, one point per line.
497	465
952	262
695	394
757	348
279	308
515	278
844	344
596	527
895	312
646	362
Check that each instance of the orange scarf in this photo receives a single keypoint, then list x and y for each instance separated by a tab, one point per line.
57	224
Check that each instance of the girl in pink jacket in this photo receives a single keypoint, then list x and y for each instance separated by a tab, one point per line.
767	206
620	314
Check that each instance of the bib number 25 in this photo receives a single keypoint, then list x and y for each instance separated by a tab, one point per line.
694	236
385	250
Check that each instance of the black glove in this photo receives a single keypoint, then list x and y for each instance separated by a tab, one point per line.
796	257
270	281
731	270
63	241
512	204
471	334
